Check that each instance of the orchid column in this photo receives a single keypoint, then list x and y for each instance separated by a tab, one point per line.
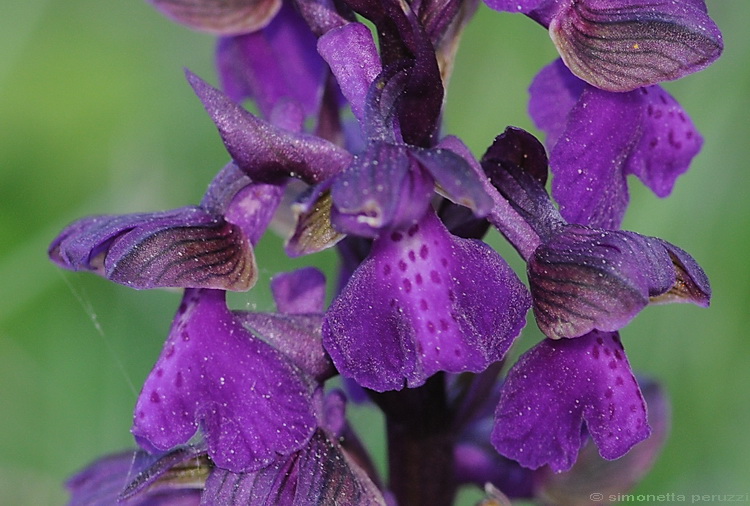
240	408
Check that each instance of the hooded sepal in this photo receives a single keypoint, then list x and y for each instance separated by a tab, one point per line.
136	478
585	279
621	45
187	247
221	17
319	473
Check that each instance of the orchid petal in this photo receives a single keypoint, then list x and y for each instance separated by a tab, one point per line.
557	386
422	302
250	401
267	153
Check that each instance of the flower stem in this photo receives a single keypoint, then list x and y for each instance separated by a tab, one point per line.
420	444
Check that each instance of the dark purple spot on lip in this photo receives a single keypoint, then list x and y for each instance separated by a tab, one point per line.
607	351
413	230
444	262
412	256
612	364
653	143
396	236
435	277
608	393
443	324
431	327
155	397
159	372
170	351
618	355
650	110
402	265
418	279
618	381
595	352
423	251
178	380
386	269
423	305
600	340
185	335
407	285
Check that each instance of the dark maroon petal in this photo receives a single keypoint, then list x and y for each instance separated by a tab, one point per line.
382	189
320	473
251	403
277	63
299	292
621	45
222	17
516	165
354	60
593	474
267	153
557	386
668	142
175	479
185	247
422	302
588	279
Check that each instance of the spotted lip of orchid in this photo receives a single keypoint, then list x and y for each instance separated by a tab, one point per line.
249	381
644	132
555	388
585	278
621	45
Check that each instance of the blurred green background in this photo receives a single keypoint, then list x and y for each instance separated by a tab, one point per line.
95	117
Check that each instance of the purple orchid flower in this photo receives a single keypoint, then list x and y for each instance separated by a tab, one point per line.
205	246
415	267
621	45
643	132
584	278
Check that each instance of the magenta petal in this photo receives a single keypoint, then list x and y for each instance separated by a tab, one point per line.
522	6
557	386
354	60
250	402
668	143
589	158
265	152
299	292
424	301
276	63
552	95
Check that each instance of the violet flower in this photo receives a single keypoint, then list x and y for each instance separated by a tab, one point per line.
584	278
